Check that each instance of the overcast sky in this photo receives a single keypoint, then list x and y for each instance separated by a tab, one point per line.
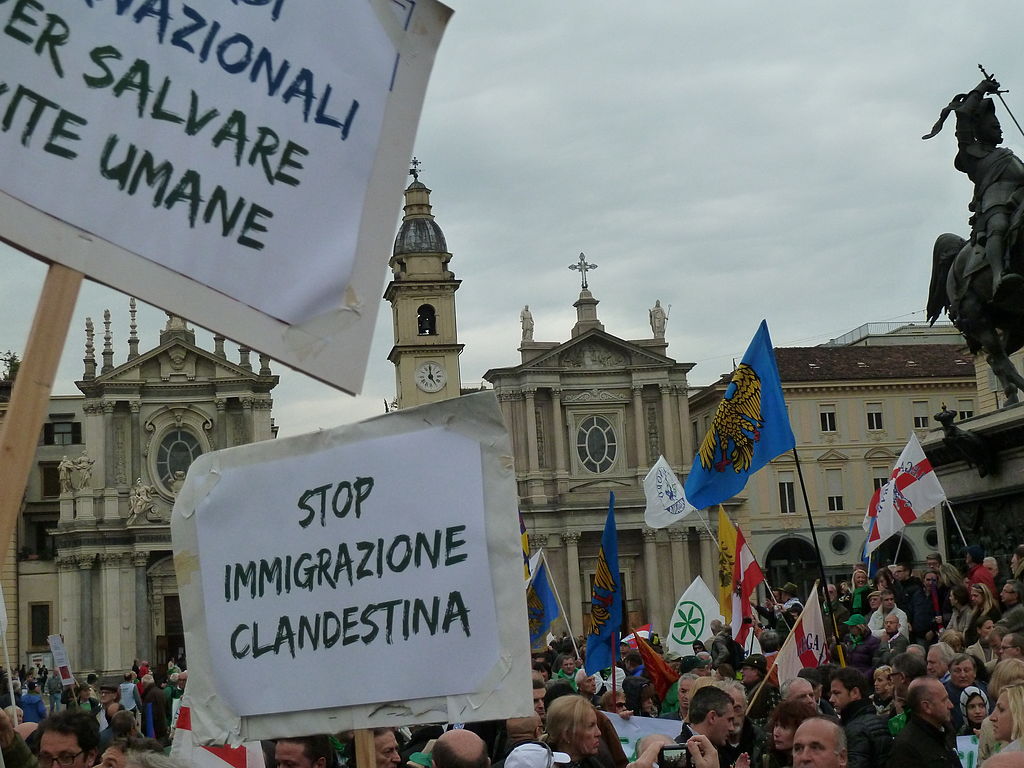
735	160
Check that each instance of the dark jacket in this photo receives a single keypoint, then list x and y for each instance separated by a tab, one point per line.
153	704
922	745
867	737
862	655
916	604
750	739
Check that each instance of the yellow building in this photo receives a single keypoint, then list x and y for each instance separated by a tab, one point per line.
852	409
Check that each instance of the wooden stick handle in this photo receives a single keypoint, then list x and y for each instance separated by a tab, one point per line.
30	396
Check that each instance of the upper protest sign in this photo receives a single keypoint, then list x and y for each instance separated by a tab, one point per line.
353	550
239	163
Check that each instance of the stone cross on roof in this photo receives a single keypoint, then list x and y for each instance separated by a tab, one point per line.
583	267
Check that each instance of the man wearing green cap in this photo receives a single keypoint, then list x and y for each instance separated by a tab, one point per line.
861	645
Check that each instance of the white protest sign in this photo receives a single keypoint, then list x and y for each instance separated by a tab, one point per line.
61	664
631	730
967	751
238	163
390	545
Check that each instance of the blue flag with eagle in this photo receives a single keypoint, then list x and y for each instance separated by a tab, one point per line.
750	428
541	606
605	599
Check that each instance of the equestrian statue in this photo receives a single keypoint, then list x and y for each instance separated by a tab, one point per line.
978	281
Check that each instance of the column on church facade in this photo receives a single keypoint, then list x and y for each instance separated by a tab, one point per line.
108	443
708	560
638	427
69	597
653	593
87	626
669	445
136	441
112	638
557	416
677	547
221	430
143	622
250	426
571	540
683	424
529	394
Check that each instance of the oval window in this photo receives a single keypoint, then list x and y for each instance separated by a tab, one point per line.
596	444
178	449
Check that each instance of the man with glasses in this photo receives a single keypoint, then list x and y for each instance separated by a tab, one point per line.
1012	646
1013	609
819	743
69	739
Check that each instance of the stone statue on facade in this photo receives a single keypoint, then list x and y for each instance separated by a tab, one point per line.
83	464
64	470
526	318
140	502
659	319
977	281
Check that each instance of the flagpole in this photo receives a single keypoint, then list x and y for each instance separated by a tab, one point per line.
899	545
565	616
956	522
790	638
817	551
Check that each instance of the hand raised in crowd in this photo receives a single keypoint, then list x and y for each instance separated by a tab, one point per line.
703	753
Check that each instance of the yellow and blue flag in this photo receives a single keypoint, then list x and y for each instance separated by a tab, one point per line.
749	429
541	605
524	541
605	599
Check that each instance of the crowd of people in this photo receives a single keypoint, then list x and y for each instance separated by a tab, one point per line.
918	657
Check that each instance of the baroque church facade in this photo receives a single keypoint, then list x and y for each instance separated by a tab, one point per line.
94	562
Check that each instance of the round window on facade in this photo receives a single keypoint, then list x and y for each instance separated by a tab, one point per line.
596	444
840	541
931	536
178	449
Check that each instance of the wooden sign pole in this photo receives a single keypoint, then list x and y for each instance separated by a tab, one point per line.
366	753
30	396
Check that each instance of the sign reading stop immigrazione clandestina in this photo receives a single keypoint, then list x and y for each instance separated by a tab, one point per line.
238	163
321	557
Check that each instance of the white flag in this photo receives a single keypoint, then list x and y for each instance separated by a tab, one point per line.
692	617
807	644
912	490
666	502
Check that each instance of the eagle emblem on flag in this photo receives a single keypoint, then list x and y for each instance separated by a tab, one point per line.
604	593
736	426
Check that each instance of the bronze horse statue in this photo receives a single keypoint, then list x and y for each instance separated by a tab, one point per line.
961	284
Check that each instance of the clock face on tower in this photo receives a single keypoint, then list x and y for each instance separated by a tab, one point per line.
430	377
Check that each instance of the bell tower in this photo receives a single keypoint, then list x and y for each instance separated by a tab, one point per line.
422	297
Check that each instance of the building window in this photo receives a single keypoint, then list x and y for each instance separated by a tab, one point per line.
881	477
596	444
834	486
827	413
426	321
921	414
178	449
49	479
964	409
62	433
787	493
874	417
39	619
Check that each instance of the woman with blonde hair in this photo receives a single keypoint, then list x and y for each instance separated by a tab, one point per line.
572	728
1007	673
858	602
983	606
1008	718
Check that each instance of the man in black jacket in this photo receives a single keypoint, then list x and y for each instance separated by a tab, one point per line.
928	738
867	737
915	602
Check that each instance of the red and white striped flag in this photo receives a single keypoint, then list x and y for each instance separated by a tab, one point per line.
807	644
746	575
912	490
183	747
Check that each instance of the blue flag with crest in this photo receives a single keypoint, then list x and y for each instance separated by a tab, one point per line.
605	599
541	606
749	429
